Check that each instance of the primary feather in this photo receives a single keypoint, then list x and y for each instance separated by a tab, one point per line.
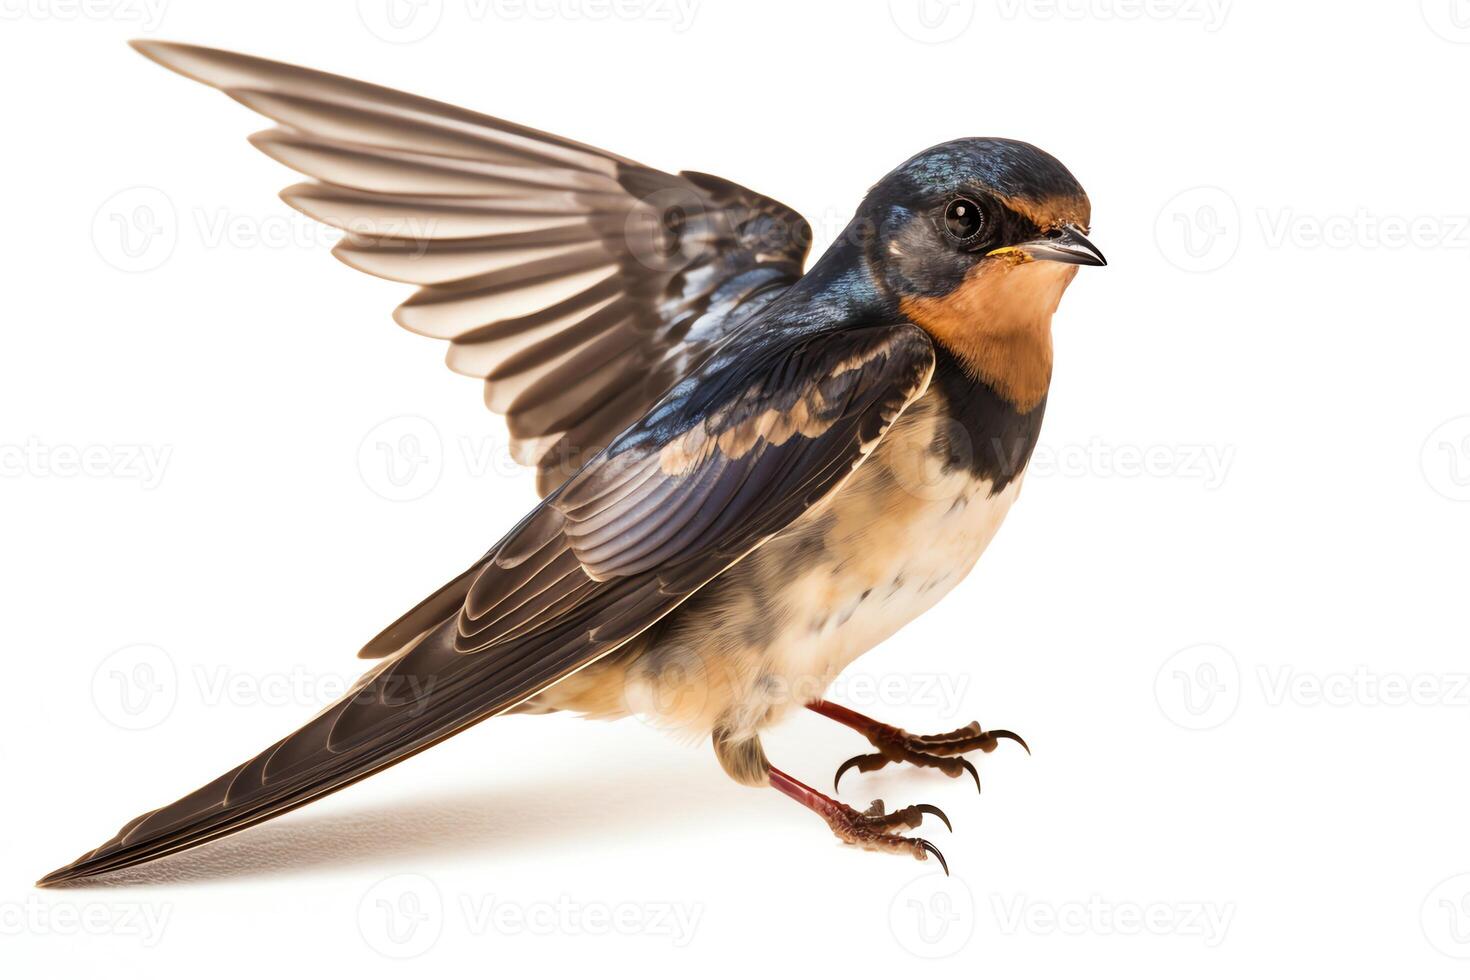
577	283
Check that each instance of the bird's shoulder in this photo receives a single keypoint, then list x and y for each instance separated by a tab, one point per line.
775	368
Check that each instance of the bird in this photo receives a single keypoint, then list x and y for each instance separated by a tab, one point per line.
750	472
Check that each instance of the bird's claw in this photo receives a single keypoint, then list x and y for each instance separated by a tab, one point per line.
863	763
877	760
1003	733
934	851
931	808
871	829
875	816
940	752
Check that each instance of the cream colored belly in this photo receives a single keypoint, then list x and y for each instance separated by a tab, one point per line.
887	578
774	635
771	633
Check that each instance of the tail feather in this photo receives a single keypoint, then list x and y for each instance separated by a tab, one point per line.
398	709
259	789
403	705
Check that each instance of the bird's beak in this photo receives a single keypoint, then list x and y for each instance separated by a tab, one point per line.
1065	244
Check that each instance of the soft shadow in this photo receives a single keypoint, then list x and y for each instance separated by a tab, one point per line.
576	802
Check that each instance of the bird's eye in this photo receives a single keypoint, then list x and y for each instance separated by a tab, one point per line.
964	219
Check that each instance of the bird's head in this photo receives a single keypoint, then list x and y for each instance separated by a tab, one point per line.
976	240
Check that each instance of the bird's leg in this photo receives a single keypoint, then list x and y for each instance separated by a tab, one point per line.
742	757
869	829
943	752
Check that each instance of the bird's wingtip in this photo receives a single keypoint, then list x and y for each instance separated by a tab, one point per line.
82	867
208	66
54	878
163	53
149	48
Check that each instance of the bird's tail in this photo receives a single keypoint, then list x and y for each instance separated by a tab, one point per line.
401	707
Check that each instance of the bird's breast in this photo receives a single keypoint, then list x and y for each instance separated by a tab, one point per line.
903	532
773	631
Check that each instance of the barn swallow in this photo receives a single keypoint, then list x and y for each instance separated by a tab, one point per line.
750	475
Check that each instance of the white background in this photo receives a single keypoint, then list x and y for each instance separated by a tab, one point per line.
1228	613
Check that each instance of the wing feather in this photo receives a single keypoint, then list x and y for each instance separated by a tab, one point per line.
750	444
578	284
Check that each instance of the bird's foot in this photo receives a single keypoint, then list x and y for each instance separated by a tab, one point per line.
944	751
870	829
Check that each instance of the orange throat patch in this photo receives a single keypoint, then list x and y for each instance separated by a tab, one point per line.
997	323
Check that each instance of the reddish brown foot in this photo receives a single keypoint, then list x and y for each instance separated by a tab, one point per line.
869	829
943	752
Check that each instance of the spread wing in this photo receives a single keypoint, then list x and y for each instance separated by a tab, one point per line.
731	456
578	284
